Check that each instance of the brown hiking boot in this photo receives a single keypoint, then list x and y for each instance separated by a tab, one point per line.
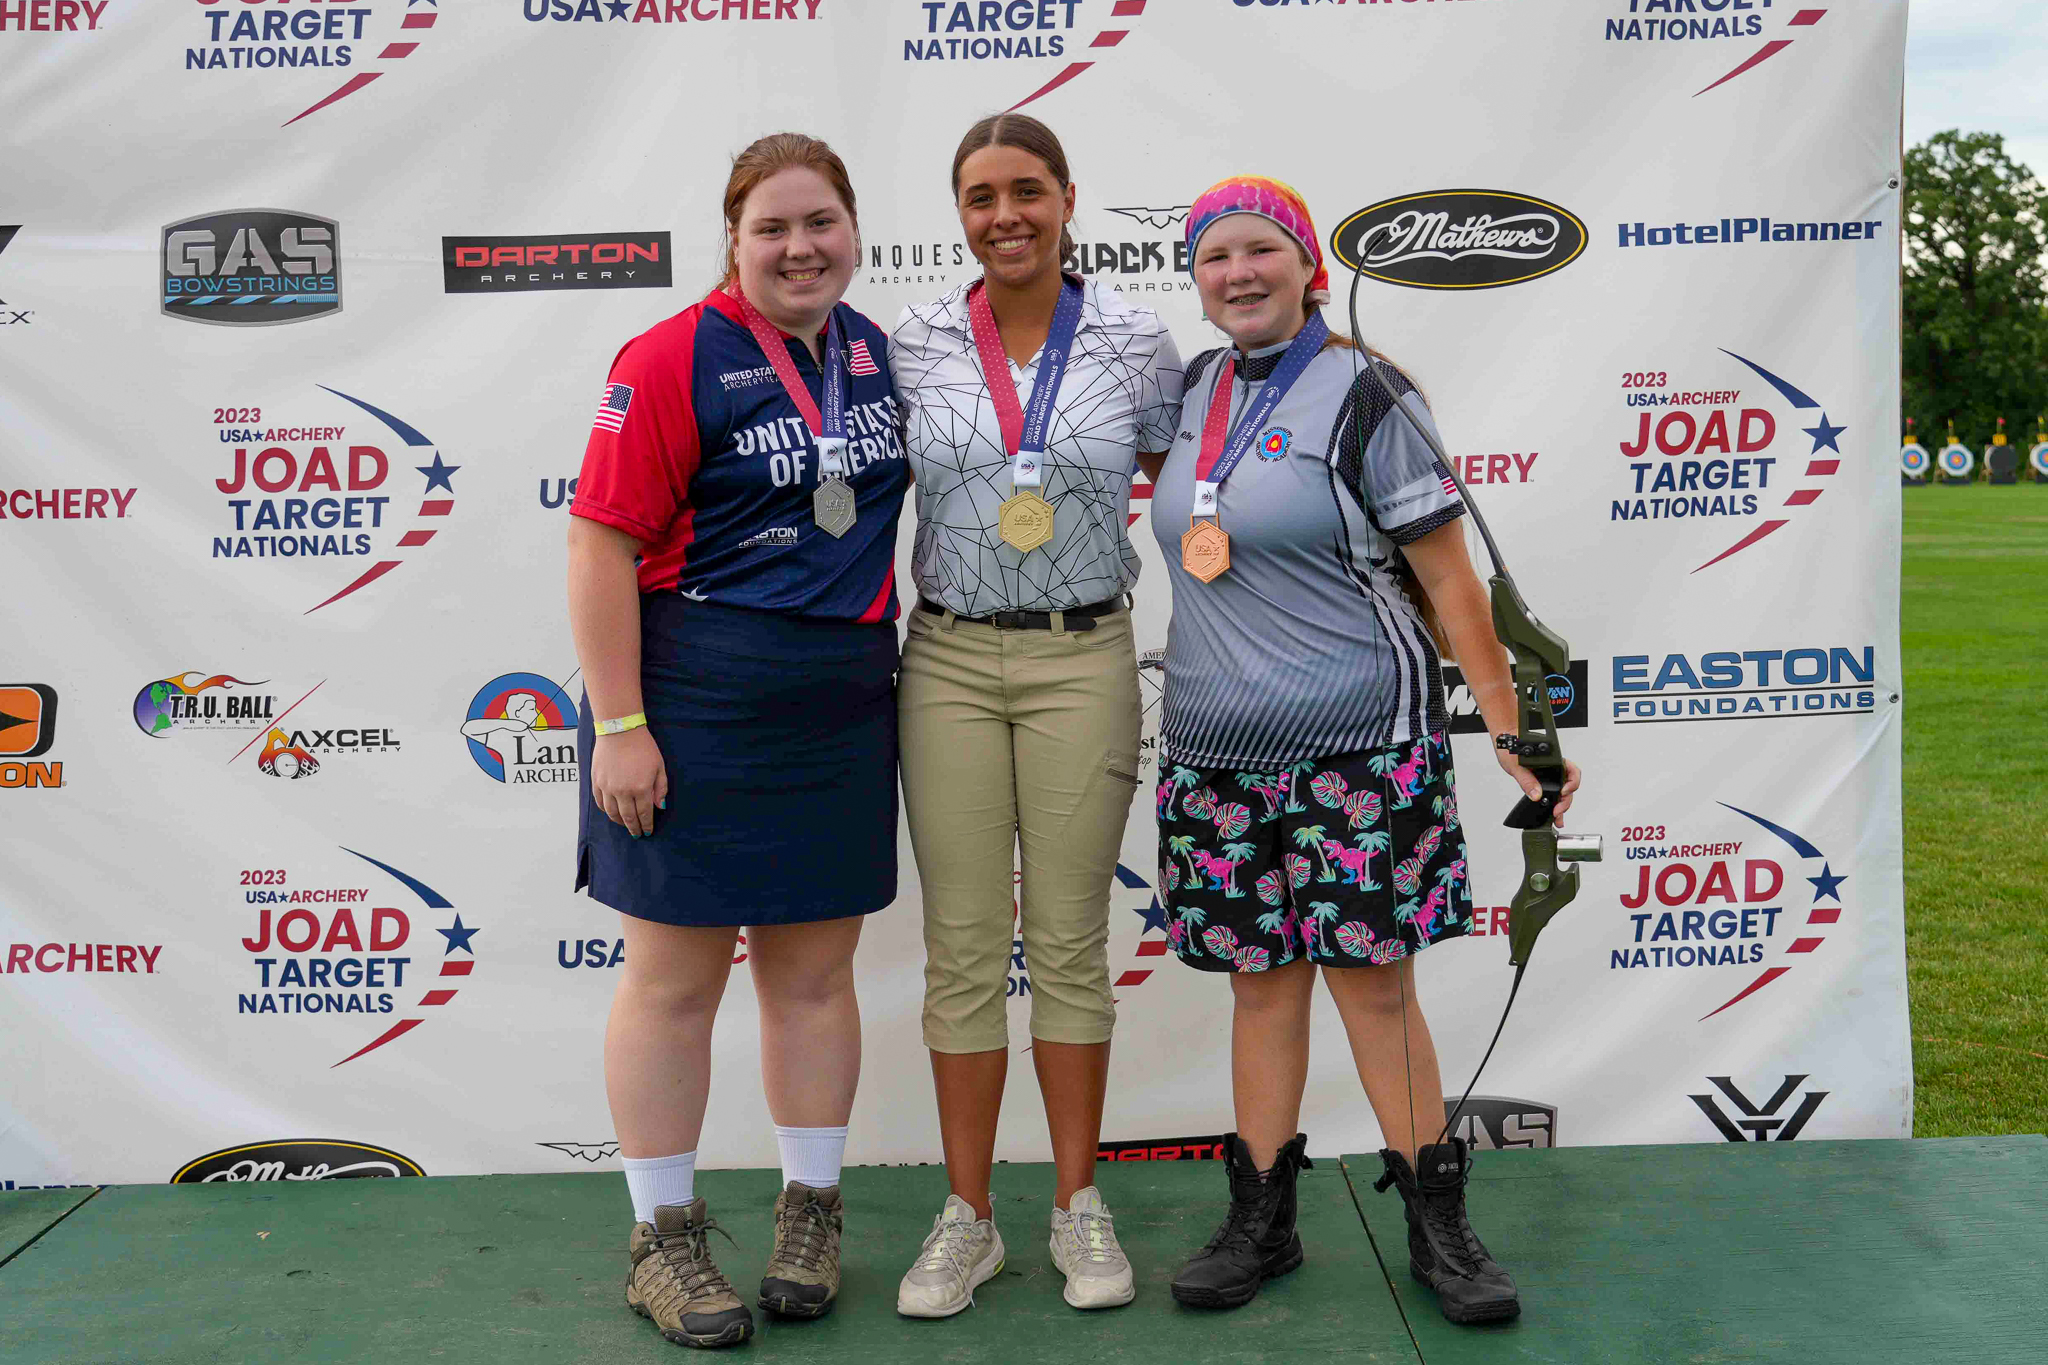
675	1284
802	1278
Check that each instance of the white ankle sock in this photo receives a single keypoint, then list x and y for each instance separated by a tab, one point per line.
656	1180
811	1156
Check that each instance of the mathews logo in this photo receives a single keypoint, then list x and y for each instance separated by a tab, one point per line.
1568	705
313	961
1750	684
296	1159
521	727
1665	21
1759	1119
1497	1122
28	727
1459	239
370	34
1708	455
357	520
11	317
252	267
1712	911
510	265
986	31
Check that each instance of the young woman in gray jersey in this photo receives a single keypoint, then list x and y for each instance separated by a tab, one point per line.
1306	811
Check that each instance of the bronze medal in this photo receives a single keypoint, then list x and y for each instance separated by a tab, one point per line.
1205	550
1026	521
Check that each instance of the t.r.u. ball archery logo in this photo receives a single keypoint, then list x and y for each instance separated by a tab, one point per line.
321	948
303	59
188	701
521	728
1712	445
1702	900
310	487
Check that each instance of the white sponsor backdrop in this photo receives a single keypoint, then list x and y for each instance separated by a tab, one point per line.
619	119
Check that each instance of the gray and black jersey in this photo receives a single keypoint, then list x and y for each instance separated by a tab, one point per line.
1307	646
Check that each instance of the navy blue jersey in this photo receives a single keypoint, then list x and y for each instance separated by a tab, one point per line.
699	454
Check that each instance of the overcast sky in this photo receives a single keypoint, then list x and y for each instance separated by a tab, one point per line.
1981	66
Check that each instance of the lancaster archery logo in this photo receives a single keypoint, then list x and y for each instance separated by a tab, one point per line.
1724	903
979	32
1699	446
1663	22
521	728
321	55
317	948
305	490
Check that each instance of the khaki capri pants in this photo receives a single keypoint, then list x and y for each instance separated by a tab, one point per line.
1017	740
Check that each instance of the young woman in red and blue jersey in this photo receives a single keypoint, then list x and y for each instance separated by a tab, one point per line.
732	594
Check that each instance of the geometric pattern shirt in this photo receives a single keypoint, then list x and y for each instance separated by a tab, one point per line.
1120	395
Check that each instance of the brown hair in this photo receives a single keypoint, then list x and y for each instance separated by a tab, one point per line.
763	158
1026	134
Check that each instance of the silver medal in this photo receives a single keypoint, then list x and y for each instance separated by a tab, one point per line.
832	506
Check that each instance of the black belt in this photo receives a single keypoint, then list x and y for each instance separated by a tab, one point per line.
1076	618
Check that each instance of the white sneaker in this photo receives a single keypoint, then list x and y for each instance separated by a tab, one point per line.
1085	1249
962	1252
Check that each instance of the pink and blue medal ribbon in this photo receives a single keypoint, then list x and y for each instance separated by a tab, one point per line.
827	427
1217	457
1025	426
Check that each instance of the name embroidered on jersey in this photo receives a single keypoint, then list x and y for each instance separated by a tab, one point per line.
611	410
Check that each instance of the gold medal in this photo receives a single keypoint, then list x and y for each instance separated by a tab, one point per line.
1026	521
1205	550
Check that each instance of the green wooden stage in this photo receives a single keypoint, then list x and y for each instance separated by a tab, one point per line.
1811	1252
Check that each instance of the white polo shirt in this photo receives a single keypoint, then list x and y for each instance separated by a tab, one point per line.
1121	394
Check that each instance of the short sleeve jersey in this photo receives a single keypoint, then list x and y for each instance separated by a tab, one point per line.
699	453
1306	647
1120	395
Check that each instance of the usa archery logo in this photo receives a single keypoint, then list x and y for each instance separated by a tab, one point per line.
1728	443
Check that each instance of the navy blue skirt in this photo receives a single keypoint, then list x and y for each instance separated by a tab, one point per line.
779	737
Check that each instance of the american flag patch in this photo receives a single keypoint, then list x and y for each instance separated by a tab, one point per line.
611	410
858	360
1450	488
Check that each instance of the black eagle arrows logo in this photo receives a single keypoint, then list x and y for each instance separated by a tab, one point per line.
1157	218
584	1151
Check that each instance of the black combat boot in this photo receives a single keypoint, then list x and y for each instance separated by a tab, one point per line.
1443	1251
1257	1241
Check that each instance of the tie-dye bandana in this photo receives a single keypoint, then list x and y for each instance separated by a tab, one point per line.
1273	200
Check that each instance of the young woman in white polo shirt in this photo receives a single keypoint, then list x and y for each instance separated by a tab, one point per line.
1028	397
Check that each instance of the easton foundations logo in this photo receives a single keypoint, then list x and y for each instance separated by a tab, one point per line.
324	55
304	491
511	265
1754	1122
1714	453
521	728
1713	905
296	1159
1749	684
252	267
1664	22
1459	239
350	956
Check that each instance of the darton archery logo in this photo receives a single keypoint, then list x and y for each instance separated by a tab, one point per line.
1761	33
1714	445
305	59
1730	903
318	948
313	488
521	728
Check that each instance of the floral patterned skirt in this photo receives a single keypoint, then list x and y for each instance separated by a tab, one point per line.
1349	861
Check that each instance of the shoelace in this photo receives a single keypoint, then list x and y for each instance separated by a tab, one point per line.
1095	1234
688	1254
1454	1231
1236	1230
946	1248
807	1234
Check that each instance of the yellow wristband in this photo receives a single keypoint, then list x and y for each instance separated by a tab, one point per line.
622	724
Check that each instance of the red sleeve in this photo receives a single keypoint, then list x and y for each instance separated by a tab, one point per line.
643	444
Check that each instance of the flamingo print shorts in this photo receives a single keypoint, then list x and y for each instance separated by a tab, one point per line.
1350	861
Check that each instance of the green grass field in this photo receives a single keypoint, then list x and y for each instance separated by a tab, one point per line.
1974	622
